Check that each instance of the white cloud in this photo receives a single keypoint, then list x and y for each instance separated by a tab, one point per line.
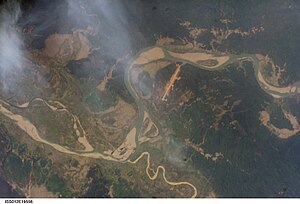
10	43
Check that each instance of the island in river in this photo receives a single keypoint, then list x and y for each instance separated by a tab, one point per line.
179	110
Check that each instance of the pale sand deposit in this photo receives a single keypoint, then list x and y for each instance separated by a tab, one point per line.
85	47
150	55
282	133
194	57
127	147
272	88
67	46
54	42
36	191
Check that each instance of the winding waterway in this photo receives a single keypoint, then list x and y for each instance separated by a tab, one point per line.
130	144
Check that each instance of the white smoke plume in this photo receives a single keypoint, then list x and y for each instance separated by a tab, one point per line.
10	44
110	20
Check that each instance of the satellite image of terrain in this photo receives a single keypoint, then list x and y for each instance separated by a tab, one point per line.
149	98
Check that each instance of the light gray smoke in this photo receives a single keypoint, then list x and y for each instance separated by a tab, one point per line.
10	44
111	22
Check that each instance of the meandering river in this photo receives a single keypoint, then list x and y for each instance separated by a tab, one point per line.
131	144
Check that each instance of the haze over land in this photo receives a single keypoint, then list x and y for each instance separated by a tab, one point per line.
149	98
